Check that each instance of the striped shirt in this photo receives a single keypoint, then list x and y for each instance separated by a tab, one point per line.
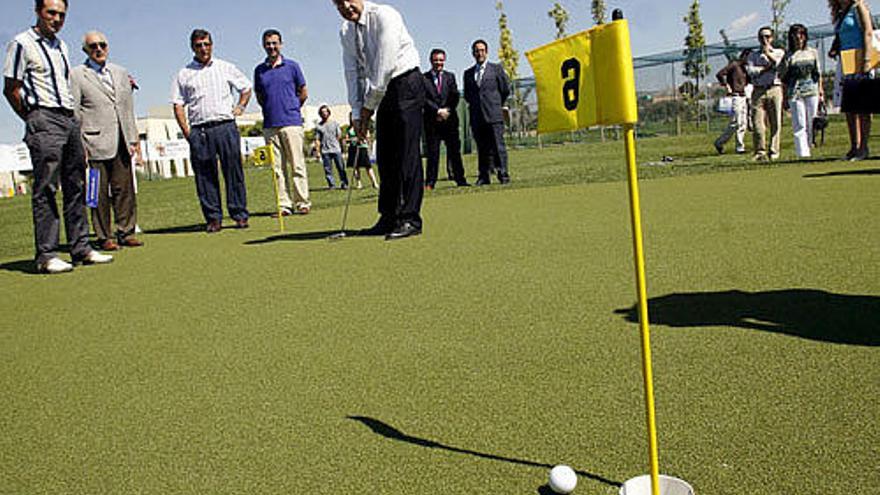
41	65
207	90
375	50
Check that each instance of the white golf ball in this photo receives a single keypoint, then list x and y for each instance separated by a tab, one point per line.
563	479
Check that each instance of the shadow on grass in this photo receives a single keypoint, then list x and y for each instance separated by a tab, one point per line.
302	236
805	313
388	431
867	171
803	161
21	266
180	229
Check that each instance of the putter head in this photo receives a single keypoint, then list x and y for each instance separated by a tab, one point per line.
337	236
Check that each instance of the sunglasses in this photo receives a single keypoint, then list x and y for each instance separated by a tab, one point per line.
101	44
202	44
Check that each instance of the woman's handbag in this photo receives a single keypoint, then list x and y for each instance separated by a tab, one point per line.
820	123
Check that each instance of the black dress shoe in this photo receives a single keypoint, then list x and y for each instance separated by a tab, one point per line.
381	228
504	180
462	183
481	182
406	229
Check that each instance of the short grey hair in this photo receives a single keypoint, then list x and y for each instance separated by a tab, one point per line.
99	34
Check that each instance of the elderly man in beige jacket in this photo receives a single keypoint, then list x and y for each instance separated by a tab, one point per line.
103	104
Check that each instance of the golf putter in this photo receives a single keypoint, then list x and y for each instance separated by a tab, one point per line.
341	233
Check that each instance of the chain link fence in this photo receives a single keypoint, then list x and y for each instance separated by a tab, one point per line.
660	87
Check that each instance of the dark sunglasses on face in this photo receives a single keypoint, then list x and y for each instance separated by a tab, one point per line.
202	44
101	44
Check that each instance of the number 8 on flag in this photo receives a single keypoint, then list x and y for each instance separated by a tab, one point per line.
585	79
263	156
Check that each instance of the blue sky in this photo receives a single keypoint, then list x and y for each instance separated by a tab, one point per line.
151	38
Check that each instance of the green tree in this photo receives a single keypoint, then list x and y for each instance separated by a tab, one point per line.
695	65
560	18
598	9
777	8
729	50
506	52
510	61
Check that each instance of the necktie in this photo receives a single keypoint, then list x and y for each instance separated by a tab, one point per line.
480	75
439	82
361	47
106	79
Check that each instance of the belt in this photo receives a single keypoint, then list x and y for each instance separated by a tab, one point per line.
215	123
60	110
401	76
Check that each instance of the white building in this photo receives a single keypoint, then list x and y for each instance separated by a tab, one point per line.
166	152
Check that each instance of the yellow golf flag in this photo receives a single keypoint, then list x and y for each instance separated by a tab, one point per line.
585	79
264	156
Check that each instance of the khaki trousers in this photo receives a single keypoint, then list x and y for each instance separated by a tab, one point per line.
287	143
767	105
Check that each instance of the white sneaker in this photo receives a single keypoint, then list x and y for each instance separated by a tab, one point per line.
96	258
54	265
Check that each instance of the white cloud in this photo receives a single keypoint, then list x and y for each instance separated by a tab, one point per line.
743	23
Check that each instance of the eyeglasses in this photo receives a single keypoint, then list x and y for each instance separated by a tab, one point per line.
202	44
100	44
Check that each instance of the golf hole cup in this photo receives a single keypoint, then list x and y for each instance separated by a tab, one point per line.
562	480
641	485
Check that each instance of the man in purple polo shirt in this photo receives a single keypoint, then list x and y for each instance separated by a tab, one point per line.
281	91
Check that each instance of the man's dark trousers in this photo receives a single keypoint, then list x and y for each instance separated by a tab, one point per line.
208	142
491	151
116	175
54	141
398	138
447	132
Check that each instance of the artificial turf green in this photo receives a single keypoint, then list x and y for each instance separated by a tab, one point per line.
470	359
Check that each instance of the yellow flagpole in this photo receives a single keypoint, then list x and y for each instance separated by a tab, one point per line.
641	284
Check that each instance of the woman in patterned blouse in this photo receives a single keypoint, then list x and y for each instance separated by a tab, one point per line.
803	83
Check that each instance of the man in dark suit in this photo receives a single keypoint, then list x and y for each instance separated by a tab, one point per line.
441	120
486	88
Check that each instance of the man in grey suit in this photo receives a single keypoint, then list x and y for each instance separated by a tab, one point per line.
102	94
486	88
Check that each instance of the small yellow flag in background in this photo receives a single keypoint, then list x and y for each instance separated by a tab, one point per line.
585	79
263	156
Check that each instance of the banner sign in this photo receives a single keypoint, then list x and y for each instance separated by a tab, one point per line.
176	149
15	158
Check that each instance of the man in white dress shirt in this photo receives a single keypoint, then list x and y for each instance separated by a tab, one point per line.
205	89
382	75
